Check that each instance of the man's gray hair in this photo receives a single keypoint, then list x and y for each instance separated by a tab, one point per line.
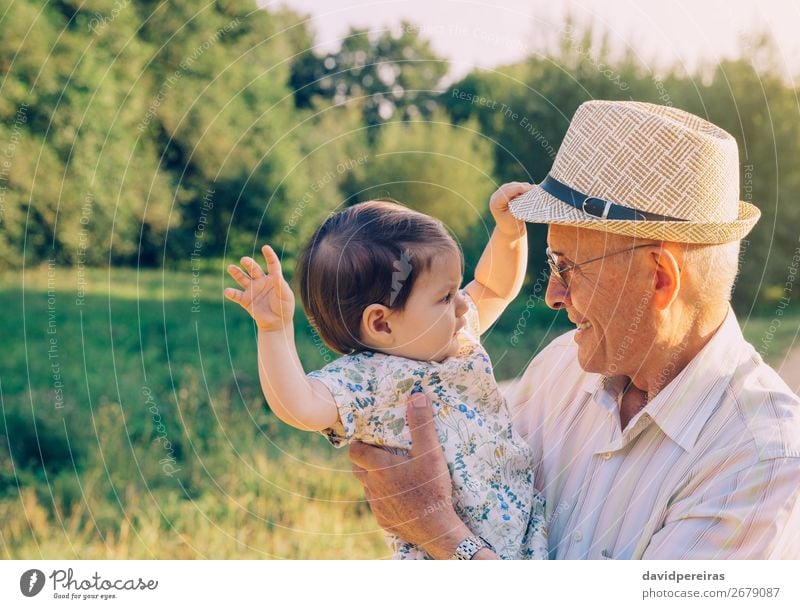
714	268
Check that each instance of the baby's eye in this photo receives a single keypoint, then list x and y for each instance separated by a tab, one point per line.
448	298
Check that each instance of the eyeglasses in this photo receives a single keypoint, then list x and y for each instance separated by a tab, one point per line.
558	272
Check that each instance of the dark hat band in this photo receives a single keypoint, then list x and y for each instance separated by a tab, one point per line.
600	208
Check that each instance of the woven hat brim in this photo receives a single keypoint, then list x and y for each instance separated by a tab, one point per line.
540	207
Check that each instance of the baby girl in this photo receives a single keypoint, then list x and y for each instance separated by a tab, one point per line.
380	284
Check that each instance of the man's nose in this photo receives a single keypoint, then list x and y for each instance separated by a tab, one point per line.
556	296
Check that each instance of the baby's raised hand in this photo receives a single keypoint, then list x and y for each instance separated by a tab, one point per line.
498	205
267	297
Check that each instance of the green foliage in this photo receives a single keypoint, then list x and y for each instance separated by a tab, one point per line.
133	123
155	133
392	75
335	152
77	180
434	167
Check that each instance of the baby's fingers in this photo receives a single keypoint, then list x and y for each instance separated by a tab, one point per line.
514	189
252	267
234	295
272	260
239	276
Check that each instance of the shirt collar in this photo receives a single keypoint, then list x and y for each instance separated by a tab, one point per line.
683	407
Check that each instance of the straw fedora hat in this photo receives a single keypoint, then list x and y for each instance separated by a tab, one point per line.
643	170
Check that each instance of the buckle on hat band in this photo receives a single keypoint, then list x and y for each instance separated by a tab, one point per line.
606	207
597	207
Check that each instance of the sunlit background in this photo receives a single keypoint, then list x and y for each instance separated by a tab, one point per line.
486	34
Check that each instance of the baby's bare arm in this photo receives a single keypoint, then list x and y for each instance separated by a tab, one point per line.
301	402
501	269
297	400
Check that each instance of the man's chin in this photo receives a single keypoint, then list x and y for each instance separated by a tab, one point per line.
588	359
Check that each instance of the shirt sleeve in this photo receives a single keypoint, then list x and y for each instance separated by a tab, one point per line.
472	317
369	410
751	514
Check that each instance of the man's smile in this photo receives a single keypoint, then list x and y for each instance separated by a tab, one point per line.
581	324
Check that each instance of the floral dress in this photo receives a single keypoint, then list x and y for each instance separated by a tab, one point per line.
490	465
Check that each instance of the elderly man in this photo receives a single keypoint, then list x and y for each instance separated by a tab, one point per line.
659	431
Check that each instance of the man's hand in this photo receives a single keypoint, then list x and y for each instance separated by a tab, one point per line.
498	205
267	297
412	497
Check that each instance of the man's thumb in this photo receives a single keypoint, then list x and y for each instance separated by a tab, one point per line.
419	414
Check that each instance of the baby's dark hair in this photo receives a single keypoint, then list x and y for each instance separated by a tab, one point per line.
372	252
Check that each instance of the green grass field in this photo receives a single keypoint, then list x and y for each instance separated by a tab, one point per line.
159	444
134	426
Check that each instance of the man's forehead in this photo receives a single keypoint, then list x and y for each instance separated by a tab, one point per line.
569	240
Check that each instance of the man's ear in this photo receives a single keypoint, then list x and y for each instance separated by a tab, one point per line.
376	328
667	278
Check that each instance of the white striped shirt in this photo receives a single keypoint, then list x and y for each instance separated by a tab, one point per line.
710	468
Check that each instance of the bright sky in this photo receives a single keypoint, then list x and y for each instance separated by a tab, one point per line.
486	33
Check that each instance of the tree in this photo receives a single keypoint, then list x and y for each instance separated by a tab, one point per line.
391	74
132	116
433	167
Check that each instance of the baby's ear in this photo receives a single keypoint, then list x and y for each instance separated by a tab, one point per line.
375	328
